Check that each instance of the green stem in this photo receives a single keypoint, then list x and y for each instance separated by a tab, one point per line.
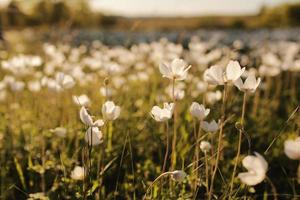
239	143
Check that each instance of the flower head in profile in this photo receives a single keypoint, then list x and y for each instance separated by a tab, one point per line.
205	146
178	175
198	111
59	131
93	136
211	127
86	118
82	100
64	81
176	70
110	111
162	114
77	173
257	168
250	84
215	75
292	148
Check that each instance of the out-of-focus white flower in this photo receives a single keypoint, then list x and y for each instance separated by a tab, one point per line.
64	81
110	111
106	92
82	100
215	75
93	136
212	126
257	168
178	93
250	83
198	111
162	114
292	148
205	146
176	70
34	86
59	131
268	71
87	119
78	173
212	97
17	86
178	175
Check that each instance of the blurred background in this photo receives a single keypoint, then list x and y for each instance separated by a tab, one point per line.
111	20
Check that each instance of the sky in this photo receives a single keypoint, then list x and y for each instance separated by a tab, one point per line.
144	8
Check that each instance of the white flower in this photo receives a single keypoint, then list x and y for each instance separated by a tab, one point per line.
257	168
210	126
292	148
110	111
82	100
162	114
93	136
177	69
178	93
233	71
198	111
250	83
77	173
205	146
34	86
59	131
17	86
86	118
64	81
215	75
178	175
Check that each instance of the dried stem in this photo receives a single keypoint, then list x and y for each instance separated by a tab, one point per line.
219	142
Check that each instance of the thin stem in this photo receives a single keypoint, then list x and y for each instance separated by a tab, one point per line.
159	177
173	160
219	141
195	156
241	129
206	172
274	191
167	148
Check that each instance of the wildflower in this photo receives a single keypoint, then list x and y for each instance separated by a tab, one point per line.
257	168
93	136
178	175
59	131
176	70
34	86
292	148
215	75
87	119
110	111
162	114
64	81
77	173
250	83
205	146
210	126
82	100
198	111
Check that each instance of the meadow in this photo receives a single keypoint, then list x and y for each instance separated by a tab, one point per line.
203	118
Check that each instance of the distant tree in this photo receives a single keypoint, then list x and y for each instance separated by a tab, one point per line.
293	13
